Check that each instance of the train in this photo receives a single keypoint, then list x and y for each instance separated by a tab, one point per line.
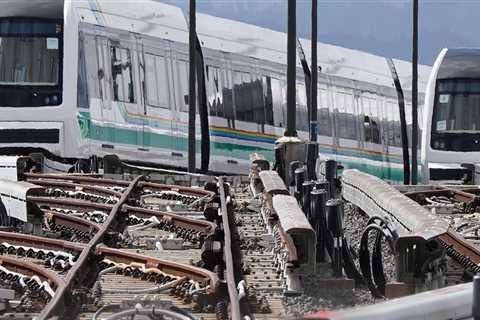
451	139
83	79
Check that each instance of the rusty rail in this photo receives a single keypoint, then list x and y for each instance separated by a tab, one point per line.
168	267
72	221
204	226
230	269
70	203
39	242
29	268
461	250
77	187
79	179
53	308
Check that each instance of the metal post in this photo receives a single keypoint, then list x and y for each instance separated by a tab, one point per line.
300	175
313	91
307	187
335	227
318	220
415	93
191	93
331	176
291	68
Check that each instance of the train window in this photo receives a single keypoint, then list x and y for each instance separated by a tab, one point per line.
345	116
258	105
122	76
91	65
214	91
408	120
395	135
243	96
228	101
302	120
324	124
156	83
82	86
101	50
268	99
370	121
279	92
350	120
182	85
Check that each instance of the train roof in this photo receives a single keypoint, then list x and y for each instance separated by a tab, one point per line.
146	17
170	22
262	43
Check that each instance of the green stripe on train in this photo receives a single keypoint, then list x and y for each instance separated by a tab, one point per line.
92	131
89	130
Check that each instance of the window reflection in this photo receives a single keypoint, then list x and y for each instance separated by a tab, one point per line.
156	81
122	75
214	91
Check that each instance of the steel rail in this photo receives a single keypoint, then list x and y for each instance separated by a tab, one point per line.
165	266
204	226
80	179
78	223
29	268
85	180
70	203
77	187
39	242
180	189
469	254
54	307
227	248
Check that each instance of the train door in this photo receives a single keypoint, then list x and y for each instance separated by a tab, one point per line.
127	111
141	100
371	127
324	122
101	45
220	108
346	125
274	103
357	96
180	68
383	120
245	122
384	132
160	131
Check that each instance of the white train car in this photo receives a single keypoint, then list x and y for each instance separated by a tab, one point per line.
92	77
452	117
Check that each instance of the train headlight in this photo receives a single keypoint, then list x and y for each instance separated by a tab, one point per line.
47	101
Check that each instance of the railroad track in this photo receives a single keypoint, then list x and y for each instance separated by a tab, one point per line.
104	245
261	270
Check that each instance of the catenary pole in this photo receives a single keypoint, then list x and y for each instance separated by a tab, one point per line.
291	68
192	91
313	91
415	93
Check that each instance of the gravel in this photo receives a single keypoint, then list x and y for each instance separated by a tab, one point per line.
315	299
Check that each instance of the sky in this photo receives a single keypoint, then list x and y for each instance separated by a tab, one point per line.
382	27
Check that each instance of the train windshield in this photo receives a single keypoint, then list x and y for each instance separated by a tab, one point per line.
456	115
30	62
